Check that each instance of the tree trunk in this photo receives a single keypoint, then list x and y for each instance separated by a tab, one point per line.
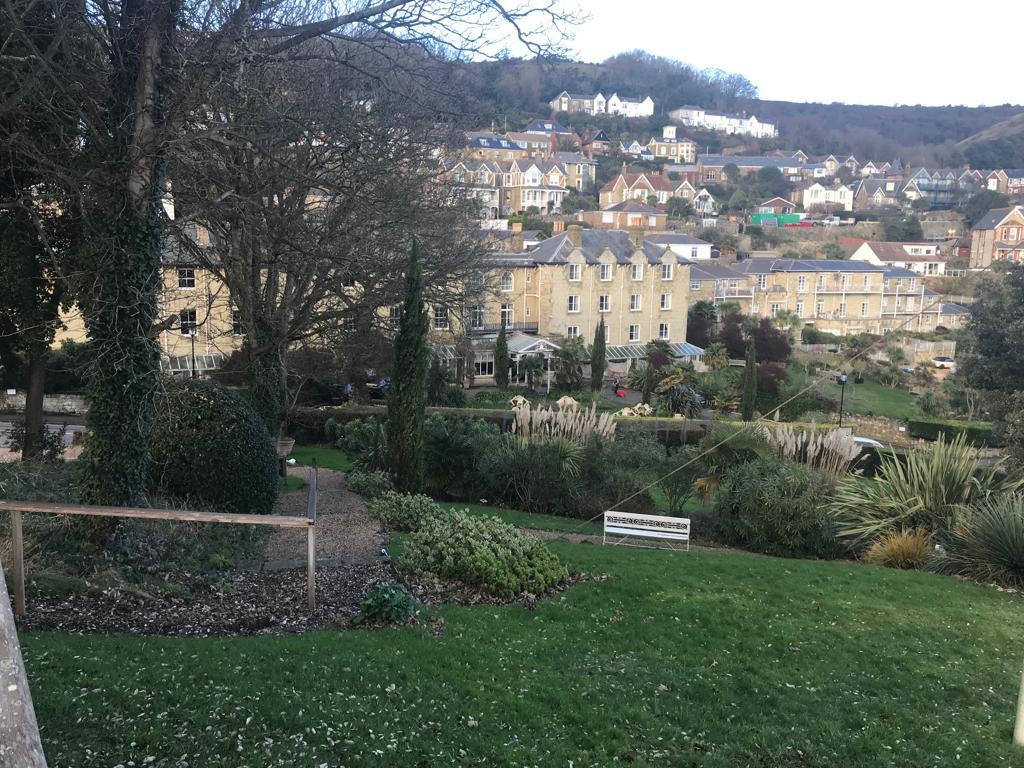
268	386
32	445
19	733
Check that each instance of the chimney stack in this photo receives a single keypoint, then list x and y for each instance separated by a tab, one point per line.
516	226
575	235
636	234
557	226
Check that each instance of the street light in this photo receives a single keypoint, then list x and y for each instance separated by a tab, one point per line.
842	395
192	337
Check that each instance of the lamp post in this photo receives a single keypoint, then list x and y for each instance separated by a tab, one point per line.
842	395
192	338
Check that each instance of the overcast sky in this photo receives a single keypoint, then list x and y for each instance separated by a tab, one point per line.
869	52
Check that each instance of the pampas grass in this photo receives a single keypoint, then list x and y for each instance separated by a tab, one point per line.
575	425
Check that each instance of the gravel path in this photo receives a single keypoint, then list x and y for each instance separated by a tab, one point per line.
345	532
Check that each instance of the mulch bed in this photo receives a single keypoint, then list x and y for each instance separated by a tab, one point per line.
243	603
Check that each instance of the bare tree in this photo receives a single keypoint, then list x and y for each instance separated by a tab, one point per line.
138	75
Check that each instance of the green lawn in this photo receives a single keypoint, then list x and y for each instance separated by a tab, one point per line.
874	399
292	483
678	659
327	456
529	519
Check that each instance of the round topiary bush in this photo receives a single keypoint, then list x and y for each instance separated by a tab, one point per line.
485	553
404	511
210	447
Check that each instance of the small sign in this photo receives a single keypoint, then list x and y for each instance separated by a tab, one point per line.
12	391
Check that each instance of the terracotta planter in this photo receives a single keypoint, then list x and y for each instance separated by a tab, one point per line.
284	447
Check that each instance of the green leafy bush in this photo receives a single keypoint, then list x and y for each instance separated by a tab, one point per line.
365	440
976	432
209	446
775	507
452	448
484	553
370	484
404	511
388	603
988	544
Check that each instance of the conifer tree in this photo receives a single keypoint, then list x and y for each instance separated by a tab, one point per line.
598	363
501	360
749	384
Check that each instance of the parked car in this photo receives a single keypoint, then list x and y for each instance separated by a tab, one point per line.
867	442
378	388
944	362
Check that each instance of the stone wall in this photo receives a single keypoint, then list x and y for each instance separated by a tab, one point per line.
63	404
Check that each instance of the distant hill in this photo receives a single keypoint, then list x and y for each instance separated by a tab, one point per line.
506	92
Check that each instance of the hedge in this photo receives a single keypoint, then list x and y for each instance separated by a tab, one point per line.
977	432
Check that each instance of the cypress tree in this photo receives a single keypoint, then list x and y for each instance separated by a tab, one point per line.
407	398
501	360
598	363
749	384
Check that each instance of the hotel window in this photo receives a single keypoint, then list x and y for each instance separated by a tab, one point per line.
440	318
634	333
637	271
842	309
506	282
821	282
734	284
574	304
911	283
572	331
695	285
863	309
666	271
666	301
483	367
186	278
574	273
605	273
187	321
819	309
762	282
634	302
801	284
775	309
843	281
508	315
800	309
604	303
236	323
867	282
476	317
663	331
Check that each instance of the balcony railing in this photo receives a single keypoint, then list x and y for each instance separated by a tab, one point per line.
734	293
493	328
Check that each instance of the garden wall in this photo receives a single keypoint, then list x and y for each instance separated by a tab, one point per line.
64	404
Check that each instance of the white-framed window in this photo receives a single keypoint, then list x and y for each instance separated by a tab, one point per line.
186	277
663	331
821	282
842	309
844	280
819	309
775	309
574	273
572	331
666	301
693	252
867	281
607	217
652	221
634	333
801	284
483	367
508	315
734	284
800	308
911	283
573	304
604	272
910	303
762	282
695	285
237	329
476	316
863	309
636	271
604	303
526	311
666	271
634	302
187	322
440	318
507	283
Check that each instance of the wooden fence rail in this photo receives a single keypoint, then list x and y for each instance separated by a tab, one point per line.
18	508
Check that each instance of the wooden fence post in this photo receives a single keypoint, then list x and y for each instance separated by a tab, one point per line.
311	537
1018	728
18	564
19	733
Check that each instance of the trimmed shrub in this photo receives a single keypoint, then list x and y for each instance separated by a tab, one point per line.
369	484
976	432
452	448
778	508
208	445
365	440
388	603
484	553
404	511
988	545
907	550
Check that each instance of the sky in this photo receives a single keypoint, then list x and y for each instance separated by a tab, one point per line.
871	52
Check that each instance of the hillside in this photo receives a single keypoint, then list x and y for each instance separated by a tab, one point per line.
506	92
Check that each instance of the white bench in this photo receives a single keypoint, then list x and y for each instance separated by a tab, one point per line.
619	526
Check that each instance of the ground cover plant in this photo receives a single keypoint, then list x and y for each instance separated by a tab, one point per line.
694	659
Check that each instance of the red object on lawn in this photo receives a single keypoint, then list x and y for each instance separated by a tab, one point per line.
620	392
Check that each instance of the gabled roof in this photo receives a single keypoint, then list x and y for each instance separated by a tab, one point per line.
656	181
546	126
489	141
890	251
673	238
996	216
774	201
594	243
635	206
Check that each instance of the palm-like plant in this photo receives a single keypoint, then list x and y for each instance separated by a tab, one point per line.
715	356
646	378
677	395
988	545
931	489
532	367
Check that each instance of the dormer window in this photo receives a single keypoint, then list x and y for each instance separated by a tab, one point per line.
605	273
